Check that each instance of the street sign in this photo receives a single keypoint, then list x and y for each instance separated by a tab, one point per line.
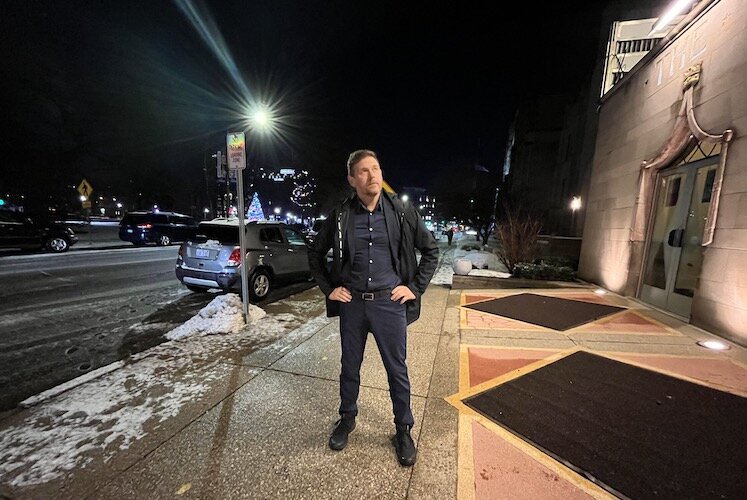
236	149
87	204
85	188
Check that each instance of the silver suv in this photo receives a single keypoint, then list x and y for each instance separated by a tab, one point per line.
275	252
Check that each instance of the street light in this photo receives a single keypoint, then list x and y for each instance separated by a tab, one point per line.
260	119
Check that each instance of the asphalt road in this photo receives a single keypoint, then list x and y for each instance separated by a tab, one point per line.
64	315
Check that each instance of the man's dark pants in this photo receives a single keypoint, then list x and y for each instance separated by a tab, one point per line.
386	319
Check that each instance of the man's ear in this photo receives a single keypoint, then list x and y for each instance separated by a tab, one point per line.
351	181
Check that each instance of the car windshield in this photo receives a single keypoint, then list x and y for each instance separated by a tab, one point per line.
225	234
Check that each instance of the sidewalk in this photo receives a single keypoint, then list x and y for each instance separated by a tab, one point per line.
248	416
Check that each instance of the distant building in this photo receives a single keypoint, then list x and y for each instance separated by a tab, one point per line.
424	202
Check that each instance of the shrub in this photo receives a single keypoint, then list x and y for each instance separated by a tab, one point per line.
543	271
557	262
518	234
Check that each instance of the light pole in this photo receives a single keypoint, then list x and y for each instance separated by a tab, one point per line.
236	151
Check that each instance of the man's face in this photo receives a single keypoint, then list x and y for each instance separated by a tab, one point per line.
367	177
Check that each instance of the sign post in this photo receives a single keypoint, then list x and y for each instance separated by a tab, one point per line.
236	152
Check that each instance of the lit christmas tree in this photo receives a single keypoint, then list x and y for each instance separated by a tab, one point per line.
304	186
255	209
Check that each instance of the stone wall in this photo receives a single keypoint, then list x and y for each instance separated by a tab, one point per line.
634	122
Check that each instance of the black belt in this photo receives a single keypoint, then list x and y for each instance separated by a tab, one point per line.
372	294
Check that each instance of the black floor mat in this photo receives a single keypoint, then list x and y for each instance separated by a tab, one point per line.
550	312
635	432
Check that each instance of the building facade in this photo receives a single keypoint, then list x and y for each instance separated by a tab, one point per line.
666	209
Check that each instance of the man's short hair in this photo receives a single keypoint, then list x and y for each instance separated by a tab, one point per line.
357	156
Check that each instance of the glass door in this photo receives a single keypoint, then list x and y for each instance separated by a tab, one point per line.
675	257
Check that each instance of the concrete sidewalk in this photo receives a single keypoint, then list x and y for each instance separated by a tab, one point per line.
259	423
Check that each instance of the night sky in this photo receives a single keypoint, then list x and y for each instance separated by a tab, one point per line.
129	94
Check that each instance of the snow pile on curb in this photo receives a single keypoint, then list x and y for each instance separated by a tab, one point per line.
222	315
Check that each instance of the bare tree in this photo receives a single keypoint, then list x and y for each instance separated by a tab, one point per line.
518	233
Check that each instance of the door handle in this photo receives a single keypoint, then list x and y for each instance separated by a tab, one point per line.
675	237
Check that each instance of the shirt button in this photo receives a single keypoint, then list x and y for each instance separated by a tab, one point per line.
370	261
370	243
370	229
369	279
370	213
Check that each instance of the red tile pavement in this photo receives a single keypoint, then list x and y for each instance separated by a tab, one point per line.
487	363
503	471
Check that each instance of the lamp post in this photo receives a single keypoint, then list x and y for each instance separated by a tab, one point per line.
236	151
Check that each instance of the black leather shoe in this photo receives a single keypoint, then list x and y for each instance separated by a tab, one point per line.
407	453
339	438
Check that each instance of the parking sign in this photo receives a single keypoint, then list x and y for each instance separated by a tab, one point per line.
236	148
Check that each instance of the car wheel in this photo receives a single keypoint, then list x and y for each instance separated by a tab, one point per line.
259	285
164	240
58	244
196	289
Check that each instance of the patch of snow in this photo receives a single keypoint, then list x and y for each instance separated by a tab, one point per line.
94	374
489	273
102	416
222	315
78	423
481	259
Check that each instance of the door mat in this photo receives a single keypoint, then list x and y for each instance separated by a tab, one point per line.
634	432
550	312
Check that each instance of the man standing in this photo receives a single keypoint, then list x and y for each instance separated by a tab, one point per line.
374	284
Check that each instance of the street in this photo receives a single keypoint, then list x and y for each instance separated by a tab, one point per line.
62	316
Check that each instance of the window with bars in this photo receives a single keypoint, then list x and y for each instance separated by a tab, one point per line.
638	45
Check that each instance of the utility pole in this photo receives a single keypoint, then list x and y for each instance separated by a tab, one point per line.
207	185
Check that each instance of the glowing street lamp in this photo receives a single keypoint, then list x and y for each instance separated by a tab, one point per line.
261	119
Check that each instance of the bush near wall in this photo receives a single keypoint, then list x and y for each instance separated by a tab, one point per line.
543	271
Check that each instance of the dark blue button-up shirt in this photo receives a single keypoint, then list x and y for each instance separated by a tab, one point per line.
372	267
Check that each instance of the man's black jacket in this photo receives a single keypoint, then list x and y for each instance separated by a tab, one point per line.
406	233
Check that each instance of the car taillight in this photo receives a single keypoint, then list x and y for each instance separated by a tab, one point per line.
144	226
235	258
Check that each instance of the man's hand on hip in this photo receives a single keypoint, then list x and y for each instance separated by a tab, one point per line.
341	294
402	294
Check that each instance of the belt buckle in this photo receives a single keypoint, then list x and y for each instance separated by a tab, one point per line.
367	295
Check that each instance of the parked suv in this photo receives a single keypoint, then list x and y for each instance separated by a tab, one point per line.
311	233
275	252
161	228
20	231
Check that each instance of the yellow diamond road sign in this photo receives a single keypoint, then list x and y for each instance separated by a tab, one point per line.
85	188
